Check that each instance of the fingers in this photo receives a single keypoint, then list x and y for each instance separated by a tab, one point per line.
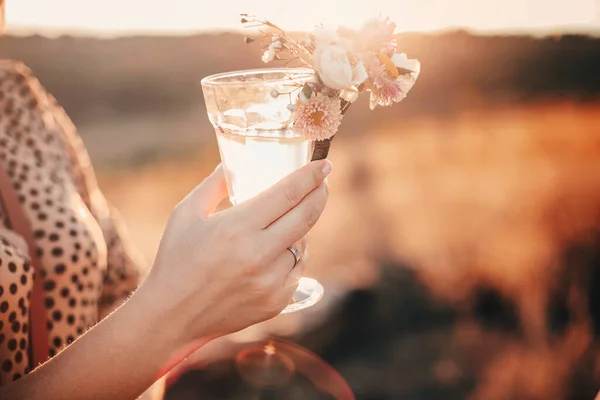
296	223
208	195
286	260
274	202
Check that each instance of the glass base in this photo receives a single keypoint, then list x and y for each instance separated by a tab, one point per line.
308	293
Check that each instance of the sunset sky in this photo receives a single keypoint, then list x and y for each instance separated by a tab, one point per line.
114	17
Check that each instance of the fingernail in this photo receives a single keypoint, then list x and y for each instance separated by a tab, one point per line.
327	167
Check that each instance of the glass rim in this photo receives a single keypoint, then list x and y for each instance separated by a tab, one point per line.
216	79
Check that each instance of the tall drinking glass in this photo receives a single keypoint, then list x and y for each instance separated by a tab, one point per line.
252	112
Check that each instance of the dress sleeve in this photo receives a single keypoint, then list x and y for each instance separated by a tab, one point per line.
125	266
16	274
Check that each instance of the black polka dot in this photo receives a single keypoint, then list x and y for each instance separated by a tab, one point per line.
77	246
70	339
35	206
33	192
1	324
23	344
12	344
49	302
84	302
13	288
72	302
60	209
49	325
23	279
52	352
80	287
74	258
49	285
53	237
12	317
16	376
49	203
80	331
74	278
3	306
73	219
64	292
57	315
16	327
88	254
60	224
57	342
42	216
12	267
25	328
73	232
18	357
2	337
21	199
60	269
71	319
57	252
39	252
26	267
1	290
7	366
85	270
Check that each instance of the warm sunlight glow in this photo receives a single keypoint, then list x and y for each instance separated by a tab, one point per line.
180	16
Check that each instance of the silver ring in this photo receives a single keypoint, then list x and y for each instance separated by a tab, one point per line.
296	255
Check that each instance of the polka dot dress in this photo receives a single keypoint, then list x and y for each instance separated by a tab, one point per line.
88	267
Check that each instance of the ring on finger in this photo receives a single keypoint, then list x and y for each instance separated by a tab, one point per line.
296	255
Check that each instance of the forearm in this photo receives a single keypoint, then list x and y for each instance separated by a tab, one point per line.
119	358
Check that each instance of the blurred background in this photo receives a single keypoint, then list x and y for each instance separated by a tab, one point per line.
460	250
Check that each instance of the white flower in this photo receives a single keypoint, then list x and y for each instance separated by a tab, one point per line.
411	64
333	65
268	55
359	74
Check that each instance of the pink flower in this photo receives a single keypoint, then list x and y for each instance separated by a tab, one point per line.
385	90
319	118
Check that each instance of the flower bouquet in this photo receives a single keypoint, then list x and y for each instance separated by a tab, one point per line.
346	62
270	122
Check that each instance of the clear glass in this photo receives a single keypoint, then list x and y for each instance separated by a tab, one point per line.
251	112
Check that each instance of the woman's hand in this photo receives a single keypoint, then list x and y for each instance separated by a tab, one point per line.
213	275
227	271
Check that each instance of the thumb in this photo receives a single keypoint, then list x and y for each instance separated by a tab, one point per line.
208	195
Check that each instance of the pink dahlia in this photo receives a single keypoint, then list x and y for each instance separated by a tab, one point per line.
319	118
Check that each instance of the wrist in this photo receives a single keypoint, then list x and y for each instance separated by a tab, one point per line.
168	322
